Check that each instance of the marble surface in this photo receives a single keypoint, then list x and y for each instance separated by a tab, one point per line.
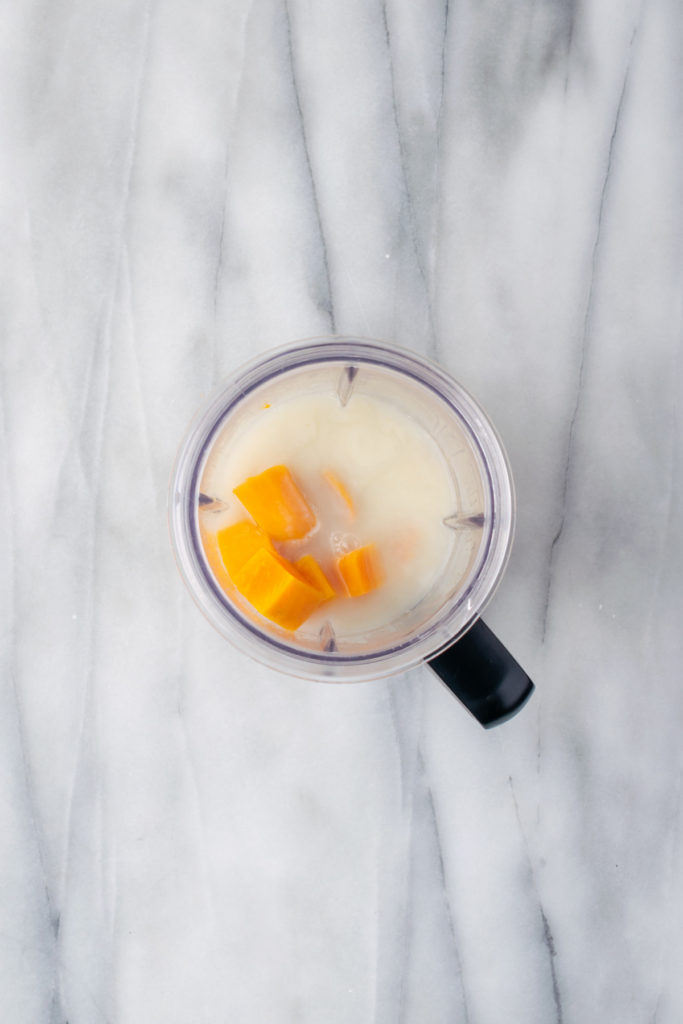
184	837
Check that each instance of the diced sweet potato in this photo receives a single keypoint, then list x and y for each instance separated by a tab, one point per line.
277	590
337	486
237	543
361	570
311	571
276	504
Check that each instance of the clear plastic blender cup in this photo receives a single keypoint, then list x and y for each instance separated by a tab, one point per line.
442	626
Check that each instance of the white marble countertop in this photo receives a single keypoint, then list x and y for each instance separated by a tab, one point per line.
186	838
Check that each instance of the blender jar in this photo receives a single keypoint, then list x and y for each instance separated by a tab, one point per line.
477	526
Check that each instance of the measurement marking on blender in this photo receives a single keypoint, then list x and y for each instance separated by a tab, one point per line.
463	521
209	504
328	637
346	383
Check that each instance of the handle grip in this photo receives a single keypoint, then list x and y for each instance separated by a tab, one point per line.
483	675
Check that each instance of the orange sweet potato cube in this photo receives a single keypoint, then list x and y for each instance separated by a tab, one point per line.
311	571
237	543
341	491
277	590
361	570
276	504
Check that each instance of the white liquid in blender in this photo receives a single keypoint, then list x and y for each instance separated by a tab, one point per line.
395	474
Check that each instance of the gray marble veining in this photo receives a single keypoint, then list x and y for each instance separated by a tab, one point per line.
184	837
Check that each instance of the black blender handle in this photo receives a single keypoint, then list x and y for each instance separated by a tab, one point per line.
483	675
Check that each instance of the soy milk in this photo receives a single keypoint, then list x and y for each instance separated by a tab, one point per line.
399	482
